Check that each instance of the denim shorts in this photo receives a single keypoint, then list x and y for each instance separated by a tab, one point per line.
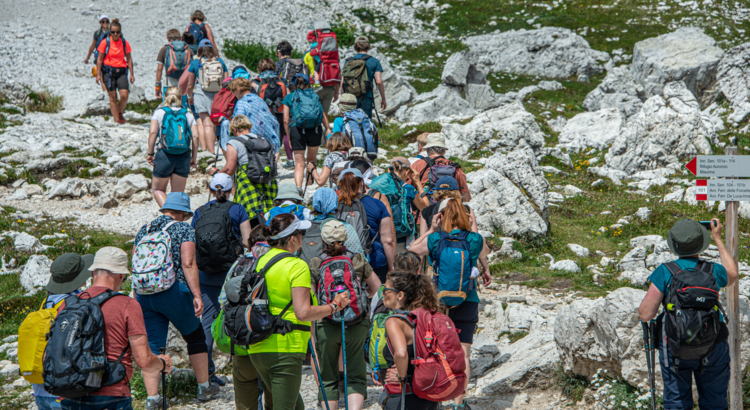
174	305
97	403
165	164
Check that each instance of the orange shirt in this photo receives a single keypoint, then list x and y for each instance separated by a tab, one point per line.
115	57
420	165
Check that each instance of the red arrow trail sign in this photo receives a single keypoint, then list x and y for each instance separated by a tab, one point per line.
718	166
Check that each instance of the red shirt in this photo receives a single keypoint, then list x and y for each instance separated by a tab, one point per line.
115	57
420	165
123	317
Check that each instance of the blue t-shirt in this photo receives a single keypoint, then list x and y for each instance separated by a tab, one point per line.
661	278
376	211
237	212
476	244
195	68
373	66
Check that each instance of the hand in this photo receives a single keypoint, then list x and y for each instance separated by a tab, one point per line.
391	375
198	305
716	229
436	220
486	278
150	159
98	79
86	61
132	79
342	300
376	378
157	94
194	162
383	105
167	361
212	171
328	131
191	101
310	167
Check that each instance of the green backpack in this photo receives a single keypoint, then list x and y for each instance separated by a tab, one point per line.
356	79
222	339
376	338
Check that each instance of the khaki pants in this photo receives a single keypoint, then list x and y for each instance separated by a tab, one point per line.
326	95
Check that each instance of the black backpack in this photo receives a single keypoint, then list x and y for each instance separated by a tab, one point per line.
691	318
261	160
272	91
291	67
216	245
247	315
75	362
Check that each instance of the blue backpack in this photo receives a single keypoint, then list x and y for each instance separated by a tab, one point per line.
400	200
102	36
452	268
197	31
175	135
361	132
286	209
177	58
306	109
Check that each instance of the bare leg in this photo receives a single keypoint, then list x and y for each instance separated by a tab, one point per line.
467	353
299	167
201	136
113	108
208	132
312	154
177	183
123	99
200	366
159	190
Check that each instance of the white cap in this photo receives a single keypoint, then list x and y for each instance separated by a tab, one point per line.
103	16
221	179
295	226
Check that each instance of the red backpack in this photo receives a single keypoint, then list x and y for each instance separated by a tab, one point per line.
328	52
439	365
337	274
223	104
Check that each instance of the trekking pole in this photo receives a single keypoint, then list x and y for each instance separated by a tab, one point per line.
649	363
378	117
343	347
317	370
652	337
162	351
308	177
260	394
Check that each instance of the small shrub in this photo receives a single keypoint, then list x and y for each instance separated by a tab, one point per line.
513	337
572	387
250	53
345	33
44	102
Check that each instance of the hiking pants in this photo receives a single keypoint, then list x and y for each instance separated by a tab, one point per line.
282	373
97	403
328	347
712	384
246	385
326	94
211	308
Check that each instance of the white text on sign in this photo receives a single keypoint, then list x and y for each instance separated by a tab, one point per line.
722	190
719	166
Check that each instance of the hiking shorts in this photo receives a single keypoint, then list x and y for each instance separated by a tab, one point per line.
202	100
301	138
465	316
712	384
174	305
165	165
115	78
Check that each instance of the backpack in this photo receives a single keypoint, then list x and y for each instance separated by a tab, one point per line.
437	171
312	243
691	318
247	315
357	80
272	91
361	132
452	268
211	72
306	109
297	210
336	275
392	187
439	364
221	338
291	67
32	340
376	338
75	362
153	265
102	36
177	59
328	52
216	245
223	106
356	216
175	136
199	33
261	164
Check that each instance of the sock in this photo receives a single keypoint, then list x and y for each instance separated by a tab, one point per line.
154	398
205	385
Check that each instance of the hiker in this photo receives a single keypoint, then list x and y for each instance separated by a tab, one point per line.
358	74
445	188
200	30
324	58
205	76
112	66
451	244
421	142
176	151
408	261
272	89
379	229
328	332
256	110
278	358
338	150
435	166
303	115
173	304
68	273
287	67
256	197
288	200
698	279
124	333
325	202
98	36
173	58
406	292
222	227
359	129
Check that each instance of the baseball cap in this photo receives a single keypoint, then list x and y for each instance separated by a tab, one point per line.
357	173
205	43
69	272
112	259
302	76
333	231
221	179
103	17
362	39
446	183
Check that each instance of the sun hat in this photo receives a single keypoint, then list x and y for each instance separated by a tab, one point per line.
302	76
221	179
325	200
347	102
69	272
288	191
356	152
295	226
177	201
435	140
357	173
103	16
205	43
687	238
446	183
112	259
333	231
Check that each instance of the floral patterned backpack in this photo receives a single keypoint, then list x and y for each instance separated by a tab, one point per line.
153	266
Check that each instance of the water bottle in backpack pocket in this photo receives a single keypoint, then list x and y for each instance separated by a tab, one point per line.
337	275
153	265
175	136
361	132
452	268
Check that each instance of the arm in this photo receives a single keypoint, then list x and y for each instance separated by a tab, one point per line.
191	275
210	35
419	246
91	51
245	233
419	202
286	119
726	258
231	164
650	304
153	132
486	276
321	178
398	344
473	220
191	87
130	67
306	312
388	240
373	282
99	61
381	89
364	270
159	69
147	361
466	196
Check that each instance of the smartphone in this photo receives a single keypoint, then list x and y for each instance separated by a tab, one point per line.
706	224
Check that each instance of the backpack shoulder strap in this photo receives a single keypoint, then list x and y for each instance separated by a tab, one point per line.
273	261
673	268
705	266
430	162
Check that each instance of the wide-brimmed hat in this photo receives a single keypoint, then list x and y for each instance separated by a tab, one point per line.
69	272
435	140
288	191
687	238
177	201
112	259
347	102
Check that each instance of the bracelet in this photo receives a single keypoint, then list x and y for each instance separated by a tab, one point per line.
150	154
401	379
332	311
163	364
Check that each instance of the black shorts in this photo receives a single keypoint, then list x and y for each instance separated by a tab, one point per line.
465	316
301	138
165	164
115	78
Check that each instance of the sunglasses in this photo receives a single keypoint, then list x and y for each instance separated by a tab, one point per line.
104	22
391	289
114	32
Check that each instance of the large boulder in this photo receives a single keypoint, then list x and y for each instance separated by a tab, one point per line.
619	80
548	52
444	101
129	185
668	129
734	79
687	55
69	188
35	273
398	91
511	194
456	69
591	130
27	243
502	129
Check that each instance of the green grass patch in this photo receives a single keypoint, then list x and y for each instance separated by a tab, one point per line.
147	107
345	33
393	134
513	337
143	171
250	53
184	387
44	101
572	387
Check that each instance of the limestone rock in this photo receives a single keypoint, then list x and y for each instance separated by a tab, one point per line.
578	250
398	91
69	187
646	241
98	106
618	81
566	265
628	105
456	69
482	96
36	273
733	75
637	277
129	185
19	195
633	260
591	130
444	101
27	243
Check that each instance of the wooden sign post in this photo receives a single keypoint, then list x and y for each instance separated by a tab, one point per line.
733	303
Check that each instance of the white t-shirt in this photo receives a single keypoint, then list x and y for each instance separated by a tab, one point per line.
159	115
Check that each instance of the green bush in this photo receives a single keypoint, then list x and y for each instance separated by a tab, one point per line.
345	33
250	53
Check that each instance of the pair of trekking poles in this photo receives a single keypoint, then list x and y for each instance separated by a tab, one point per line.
650	344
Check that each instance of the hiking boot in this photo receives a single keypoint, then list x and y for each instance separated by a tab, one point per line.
289	165
209	393
155	404
220	380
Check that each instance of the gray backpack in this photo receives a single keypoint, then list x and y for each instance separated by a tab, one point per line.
312	242
261	160
356	216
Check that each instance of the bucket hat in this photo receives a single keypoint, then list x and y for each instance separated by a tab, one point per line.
69	272
112	259
435	140
177	201
288	191
687	238
347	102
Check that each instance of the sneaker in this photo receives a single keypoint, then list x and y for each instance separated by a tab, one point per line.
154	404
209	393
220	380
289	165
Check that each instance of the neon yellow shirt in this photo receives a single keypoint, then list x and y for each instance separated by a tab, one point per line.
286	274
310	61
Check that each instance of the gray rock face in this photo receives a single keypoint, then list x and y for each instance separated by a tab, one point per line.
69	187
456	69
444	101
98	106
668	129
734	79
398	91
628	105
129	185
687	55
36	273
549	52
481	96
591	130
619	80
27	243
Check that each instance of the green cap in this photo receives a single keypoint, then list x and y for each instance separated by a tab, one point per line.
687	238
288	191
69	272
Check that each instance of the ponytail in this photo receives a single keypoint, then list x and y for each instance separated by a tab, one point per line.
334	249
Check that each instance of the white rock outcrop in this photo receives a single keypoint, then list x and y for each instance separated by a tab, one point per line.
733	75
443	101
456	69
398	91
35	273
596	129
129	185
618	85
27	243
